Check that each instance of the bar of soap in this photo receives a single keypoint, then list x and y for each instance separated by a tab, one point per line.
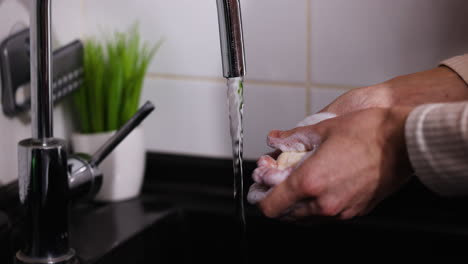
289	159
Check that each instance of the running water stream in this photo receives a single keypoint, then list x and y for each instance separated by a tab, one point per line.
236	109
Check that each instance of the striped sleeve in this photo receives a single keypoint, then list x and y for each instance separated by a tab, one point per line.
437	143
458	64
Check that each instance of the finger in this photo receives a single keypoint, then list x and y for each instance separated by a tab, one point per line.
348	214
264	163
270	176
281	198
273	177
258	174
304	209
307	181
297	140
267	161
257	192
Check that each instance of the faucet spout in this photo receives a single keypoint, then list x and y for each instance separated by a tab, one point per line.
41	70
231	36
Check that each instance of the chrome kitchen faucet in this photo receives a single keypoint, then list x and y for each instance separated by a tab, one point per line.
48	179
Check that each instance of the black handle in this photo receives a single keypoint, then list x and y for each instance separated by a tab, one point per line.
122	133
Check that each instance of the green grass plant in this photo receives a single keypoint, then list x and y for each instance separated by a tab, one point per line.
114	72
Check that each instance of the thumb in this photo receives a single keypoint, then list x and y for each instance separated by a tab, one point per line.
299	139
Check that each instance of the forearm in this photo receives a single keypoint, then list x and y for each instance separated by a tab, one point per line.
439	85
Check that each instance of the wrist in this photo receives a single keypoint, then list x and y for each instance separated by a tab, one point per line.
362	98
382	94
397	116
396	121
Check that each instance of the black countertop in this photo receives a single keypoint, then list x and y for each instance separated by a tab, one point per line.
414	207
412	222
99	231
108	232
190	199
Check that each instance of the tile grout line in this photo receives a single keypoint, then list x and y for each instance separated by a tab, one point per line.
308	102
180	77
331	86
277	83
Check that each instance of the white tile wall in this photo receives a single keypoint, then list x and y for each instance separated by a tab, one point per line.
268	108
191	116
275	44
352	43
67	20
323	96
190	30
275	34
14	16
362	42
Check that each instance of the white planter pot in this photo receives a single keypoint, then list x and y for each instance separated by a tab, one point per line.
123	169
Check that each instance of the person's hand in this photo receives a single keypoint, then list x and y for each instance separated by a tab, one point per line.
276	166
361	160
433	86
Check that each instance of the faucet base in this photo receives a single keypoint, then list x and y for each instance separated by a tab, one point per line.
44	194
69	258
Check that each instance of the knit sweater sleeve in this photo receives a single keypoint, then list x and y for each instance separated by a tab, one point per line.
458	64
